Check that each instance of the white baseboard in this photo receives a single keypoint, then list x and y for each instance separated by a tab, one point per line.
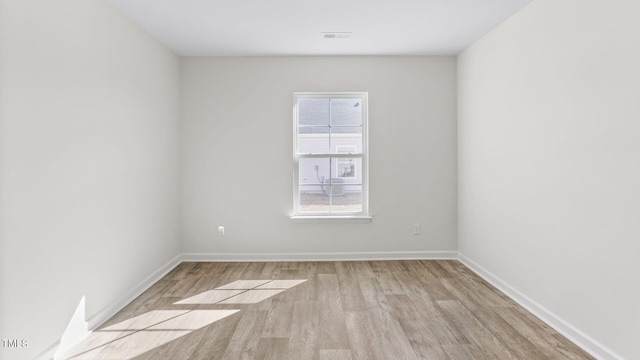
347	256
106	313
569	331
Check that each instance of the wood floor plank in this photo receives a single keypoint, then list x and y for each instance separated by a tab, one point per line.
326	267
476	299
214	340
279	318
180	271
329	291
455	267
360	310
308	269
306	291
475	331
269	271
513	340
364	340
332	328
436	290
421	337
464	352
410	284
462	293
340	354
437	270
374	296
532	319
389	283
304	339
362	269
273	349
394	342
389	266
445	331
569	349
253	270
183	287
244	342
481	289
544	341
350	294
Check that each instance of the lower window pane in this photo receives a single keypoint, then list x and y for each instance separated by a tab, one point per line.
315	171
339	197
345	197
314	199
347	169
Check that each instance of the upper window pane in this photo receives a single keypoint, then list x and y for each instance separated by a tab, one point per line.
313	112
324	124
346	140
313	143
346	112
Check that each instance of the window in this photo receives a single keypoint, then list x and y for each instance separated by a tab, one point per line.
330	155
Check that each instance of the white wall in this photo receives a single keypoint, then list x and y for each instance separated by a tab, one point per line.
89	110
237	123
549	167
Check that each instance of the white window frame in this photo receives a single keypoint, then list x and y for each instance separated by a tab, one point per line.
364	156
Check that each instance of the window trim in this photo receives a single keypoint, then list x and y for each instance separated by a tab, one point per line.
361	216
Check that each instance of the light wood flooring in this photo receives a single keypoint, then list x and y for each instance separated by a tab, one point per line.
363	310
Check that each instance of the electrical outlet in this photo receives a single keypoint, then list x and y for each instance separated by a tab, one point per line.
220	230
416	229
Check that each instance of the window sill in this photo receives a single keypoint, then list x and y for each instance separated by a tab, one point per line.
330	219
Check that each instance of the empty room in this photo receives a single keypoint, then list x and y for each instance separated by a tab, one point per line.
436	179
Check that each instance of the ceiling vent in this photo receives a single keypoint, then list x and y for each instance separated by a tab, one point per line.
336	35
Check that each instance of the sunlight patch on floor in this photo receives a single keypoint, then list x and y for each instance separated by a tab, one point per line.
252	296
145	320
243	284
140	334
210	297
135	336
242	292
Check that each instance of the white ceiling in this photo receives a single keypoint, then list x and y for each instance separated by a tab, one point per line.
295	27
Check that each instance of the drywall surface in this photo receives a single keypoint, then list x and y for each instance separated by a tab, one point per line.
549	165
89	124
238	162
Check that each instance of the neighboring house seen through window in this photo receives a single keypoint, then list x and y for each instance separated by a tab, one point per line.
330	154
345	168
